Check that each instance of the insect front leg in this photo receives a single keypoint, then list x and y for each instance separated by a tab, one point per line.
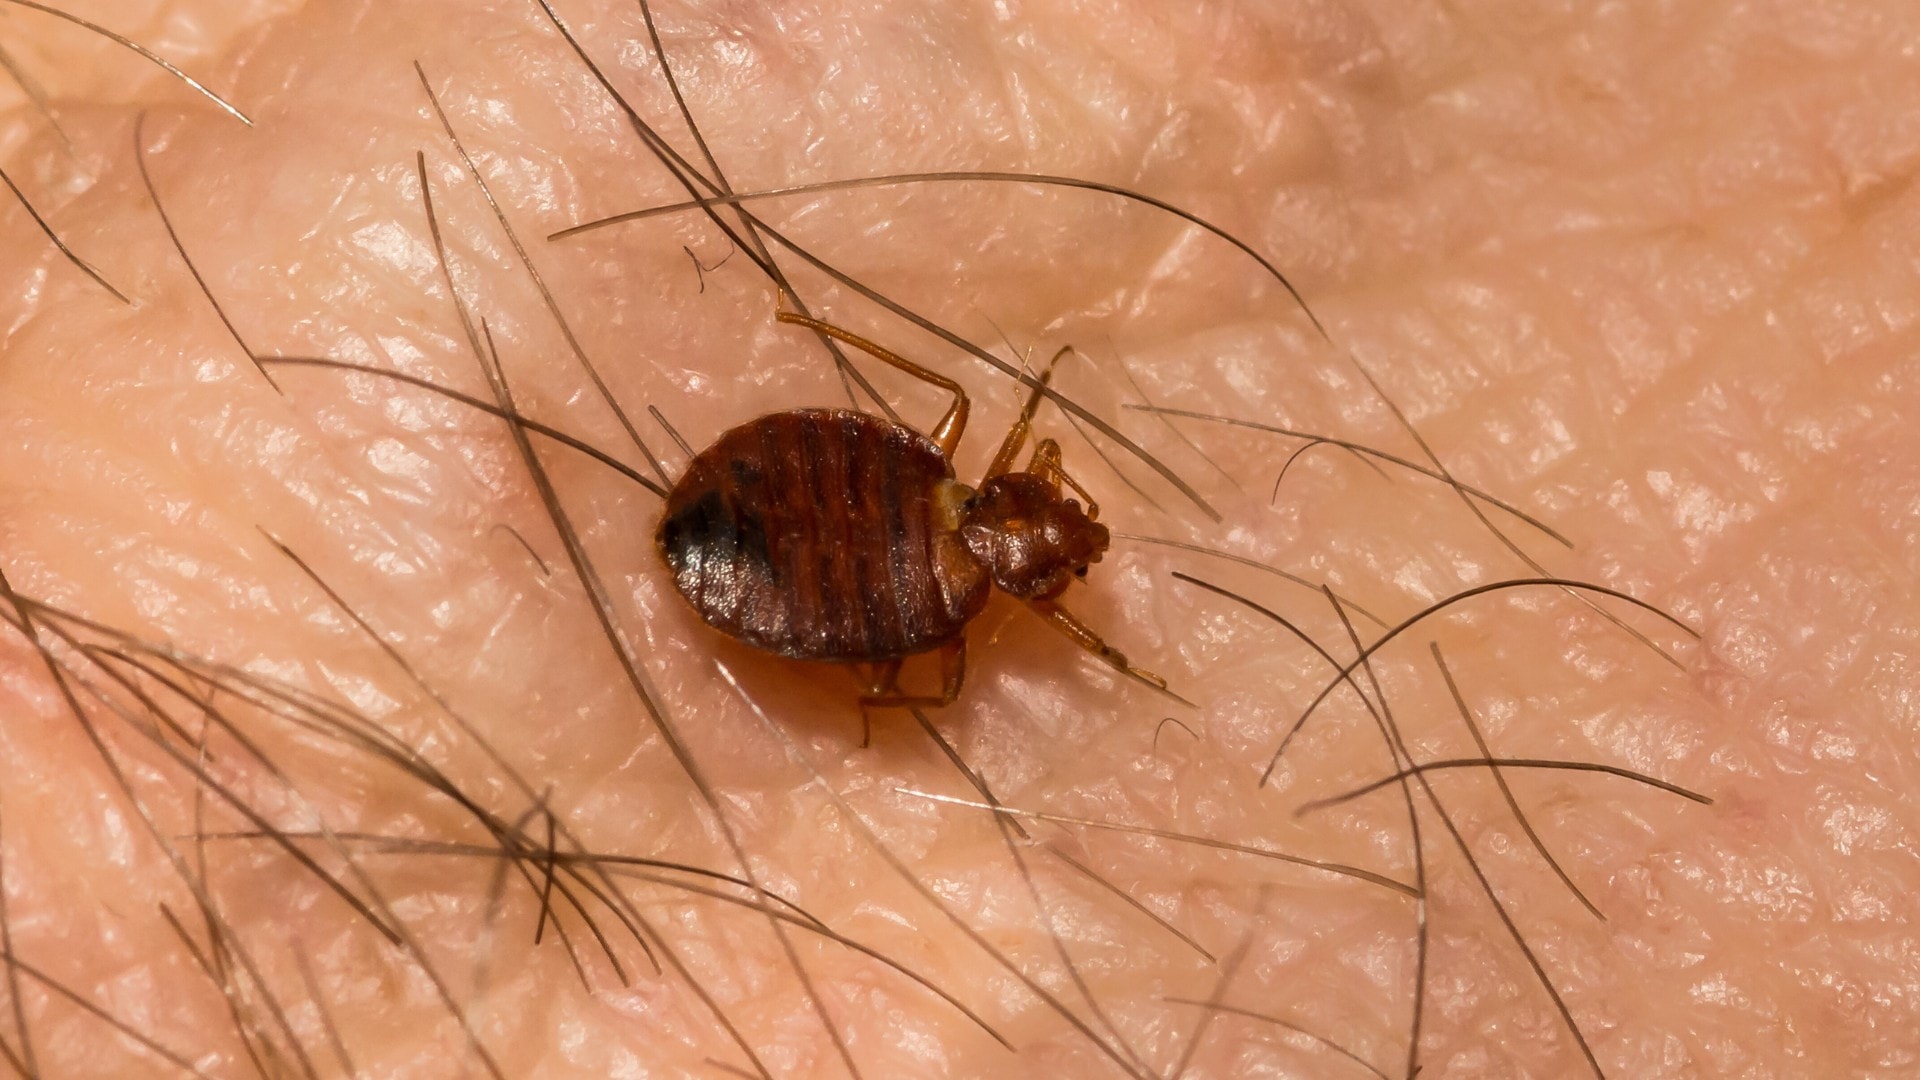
1022	427
1046	465
1083	635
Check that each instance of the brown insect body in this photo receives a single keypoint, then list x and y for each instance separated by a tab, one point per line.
826	534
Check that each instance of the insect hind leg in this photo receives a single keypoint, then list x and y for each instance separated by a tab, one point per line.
883	691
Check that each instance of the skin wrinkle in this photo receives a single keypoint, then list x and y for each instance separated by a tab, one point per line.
1642	271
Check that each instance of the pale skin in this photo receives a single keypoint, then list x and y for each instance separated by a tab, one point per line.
1641	270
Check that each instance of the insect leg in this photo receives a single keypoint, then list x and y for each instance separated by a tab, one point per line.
953	672
1045	464
1082	635
883	680
1017	435
947	432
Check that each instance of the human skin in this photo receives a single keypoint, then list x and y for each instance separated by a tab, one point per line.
1639	269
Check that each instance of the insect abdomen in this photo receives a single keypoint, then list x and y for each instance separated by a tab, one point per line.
816	534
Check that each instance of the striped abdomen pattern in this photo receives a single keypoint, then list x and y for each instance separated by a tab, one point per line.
819	534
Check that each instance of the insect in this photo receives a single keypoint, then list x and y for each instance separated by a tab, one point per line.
833	535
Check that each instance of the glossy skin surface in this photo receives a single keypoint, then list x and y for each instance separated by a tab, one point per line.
1645	268
821	534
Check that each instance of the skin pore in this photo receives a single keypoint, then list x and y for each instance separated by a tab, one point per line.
1641	270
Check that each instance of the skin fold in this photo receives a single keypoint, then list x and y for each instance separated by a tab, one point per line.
1642	270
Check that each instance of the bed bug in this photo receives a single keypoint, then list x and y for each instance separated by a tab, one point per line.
833	535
